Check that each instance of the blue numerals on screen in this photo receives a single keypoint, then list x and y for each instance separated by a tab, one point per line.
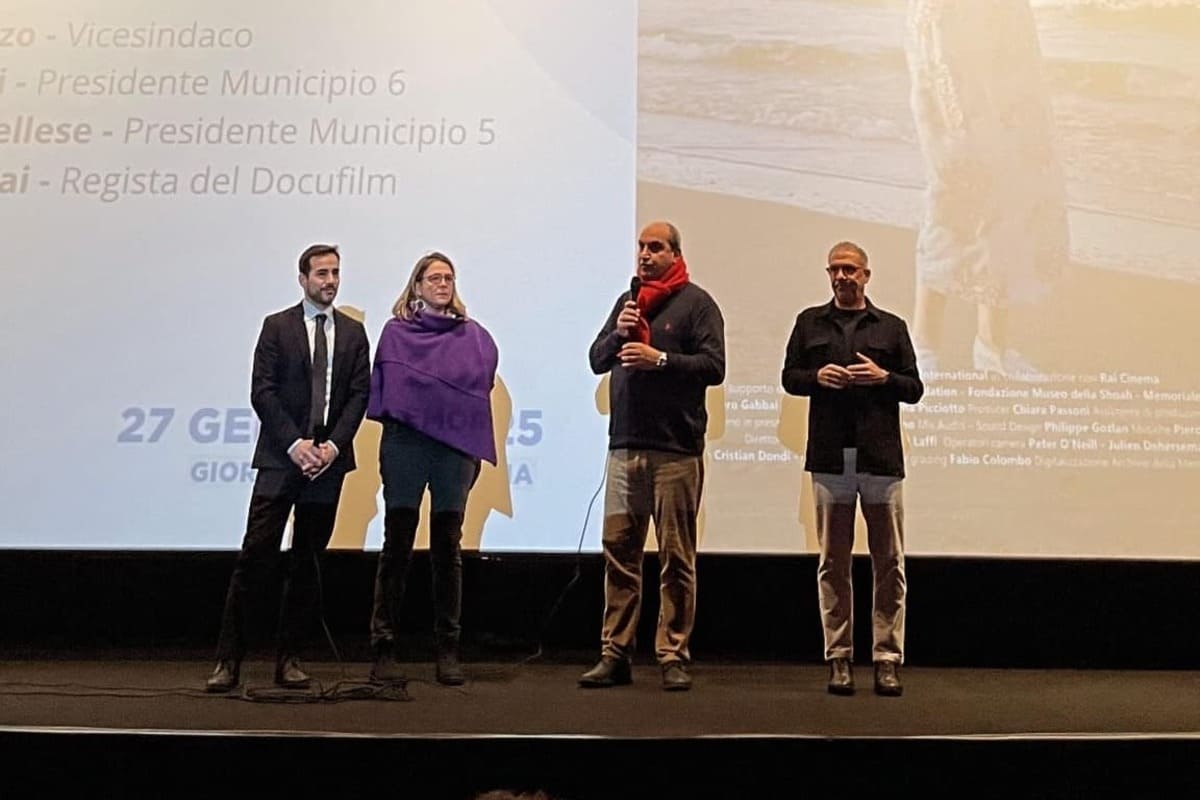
205	425
145	424
529	427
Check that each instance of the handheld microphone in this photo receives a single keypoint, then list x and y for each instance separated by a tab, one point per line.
635	286
320	433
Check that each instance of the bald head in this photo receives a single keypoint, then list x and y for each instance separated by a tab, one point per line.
658	247
664	231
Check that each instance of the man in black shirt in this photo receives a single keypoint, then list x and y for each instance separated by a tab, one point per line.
856	364
664	343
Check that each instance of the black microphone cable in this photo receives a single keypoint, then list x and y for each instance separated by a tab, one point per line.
576	575
635	286
343	690
507	671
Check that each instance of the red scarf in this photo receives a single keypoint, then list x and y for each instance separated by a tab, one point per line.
653	294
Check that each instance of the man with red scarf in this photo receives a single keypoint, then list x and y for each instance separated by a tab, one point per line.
664	347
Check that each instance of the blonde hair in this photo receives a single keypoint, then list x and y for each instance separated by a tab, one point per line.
403	308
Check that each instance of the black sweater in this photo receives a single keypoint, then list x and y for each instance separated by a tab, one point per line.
664	409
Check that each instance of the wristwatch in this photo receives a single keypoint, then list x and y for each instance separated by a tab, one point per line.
662	361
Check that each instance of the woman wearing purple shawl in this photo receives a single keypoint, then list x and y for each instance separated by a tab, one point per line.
431	389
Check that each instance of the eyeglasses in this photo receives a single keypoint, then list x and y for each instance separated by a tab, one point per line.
849	270
445	278
653	247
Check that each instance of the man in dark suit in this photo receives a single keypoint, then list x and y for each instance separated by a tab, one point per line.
309	389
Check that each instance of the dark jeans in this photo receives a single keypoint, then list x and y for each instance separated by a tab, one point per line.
276	493
409	461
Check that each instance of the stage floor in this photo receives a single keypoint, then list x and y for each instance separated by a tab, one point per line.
542	700
745	730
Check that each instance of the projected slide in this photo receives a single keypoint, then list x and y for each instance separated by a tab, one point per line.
163	165
1025	178
1023	173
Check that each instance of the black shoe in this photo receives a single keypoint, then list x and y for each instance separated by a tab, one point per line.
449	671
289	675
224	678
386	669
675	677
887	679
841	677
608	671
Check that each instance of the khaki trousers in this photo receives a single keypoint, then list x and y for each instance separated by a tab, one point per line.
641	485
883	510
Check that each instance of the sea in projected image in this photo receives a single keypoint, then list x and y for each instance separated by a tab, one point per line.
808	103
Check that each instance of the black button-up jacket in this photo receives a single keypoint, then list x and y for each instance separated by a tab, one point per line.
817	340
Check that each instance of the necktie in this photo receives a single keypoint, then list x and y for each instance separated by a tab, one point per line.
320	364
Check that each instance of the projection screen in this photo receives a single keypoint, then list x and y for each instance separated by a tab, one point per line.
1022	174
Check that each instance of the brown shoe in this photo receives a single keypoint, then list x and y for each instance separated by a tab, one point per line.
608	671
675	677
887	679
841	677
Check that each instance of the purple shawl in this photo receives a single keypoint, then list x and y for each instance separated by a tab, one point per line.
435	373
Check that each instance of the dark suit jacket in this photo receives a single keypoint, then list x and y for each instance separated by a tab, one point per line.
281	387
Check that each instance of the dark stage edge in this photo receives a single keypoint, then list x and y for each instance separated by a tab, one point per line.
744	727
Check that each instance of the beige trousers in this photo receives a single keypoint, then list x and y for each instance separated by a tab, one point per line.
641	485
883	510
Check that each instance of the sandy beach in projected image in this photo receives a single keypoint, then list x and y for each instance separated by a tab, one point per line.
807	103
769	130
